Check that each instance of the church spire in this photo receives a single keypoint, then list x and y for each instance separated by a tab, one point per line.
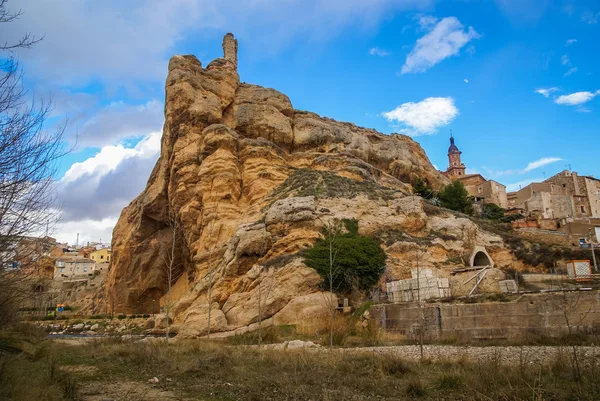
455	167
453	148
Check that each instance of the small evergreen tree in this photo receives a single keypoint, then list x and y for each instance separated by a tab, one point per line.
358	261
456	197
492	211
422	189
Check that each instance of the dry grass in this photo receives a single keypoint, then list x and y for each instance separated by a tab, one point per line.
210	371
213	371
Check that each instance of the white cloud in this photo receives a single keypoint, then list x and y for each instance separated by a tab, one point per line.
540	163
546	91
126	43
375	51
571	71
426	22
564	59
102	185
445	40
119	120
89	230
531	166
466	80
569	42
424	117
576	98
590	18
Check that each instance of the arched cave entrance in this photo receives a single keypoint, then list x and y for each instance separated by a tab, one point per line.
481	259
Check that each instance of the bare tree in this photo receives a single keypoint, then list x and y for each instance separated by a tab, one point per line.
574	311
263	296
210	266
28	156
171	266
332	229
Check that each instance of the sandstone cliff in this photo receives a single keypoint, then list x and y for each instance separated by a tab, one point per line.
249	181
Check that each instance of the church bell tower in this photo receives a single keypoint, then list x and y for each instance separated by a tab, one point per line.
455	167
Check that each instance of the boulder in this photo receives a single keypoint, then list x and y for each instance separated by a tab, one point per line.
291	210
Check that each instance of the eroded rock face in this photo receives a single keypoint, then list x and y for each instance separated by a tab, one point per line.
249	182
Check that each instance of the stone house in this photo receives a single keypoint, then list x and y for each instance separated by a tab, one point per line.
482	190
542	200
101	255
585	191
73	267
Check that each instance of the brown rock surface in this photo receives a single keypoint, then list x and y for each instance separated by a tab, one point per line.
251	181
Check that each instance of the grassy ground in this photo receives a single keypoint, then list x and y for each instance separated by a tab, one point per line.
111	369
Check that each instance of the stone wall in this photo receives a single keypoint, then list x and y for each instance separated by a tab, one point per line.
592	188
531	314
549	237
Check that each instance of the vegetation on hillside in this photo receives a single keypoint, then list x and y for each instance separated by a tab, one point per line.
325	184
349	259
455	196
421	188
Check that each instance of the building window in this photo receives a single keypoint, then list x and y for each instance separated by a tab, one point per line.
583	209
101	256
85	269
62	270
60	264
564	185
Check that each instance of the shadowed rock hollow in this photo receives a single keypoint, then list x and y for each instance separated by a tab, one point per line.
250	181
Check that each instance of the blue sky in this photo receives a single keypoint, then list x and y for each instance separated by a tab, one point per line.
516	81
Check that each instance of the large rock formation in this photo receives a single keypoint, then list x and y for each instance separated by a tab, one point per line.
244	182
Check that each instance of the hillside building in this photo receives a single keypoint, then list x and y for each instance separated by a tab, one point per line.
101	255
481	189
585	191
73	267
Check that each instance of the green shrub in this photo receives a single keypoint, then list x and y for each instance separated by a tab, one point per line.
491	211
421	188
145	316
358	261
455	196
121	316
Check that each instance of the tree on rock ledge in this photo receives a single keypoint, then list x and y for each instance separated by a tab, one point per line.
345	259
456	197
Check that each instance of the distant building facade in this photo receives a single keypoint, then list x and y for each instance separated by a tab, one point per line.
101	255
482	190
543	200
585	191
564	196
73	267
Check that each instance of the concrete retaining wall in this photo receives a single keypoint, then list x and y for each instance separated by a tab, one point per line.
531	314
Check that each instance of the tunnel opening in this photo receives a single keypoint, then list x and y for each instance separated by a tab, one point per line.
481	259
